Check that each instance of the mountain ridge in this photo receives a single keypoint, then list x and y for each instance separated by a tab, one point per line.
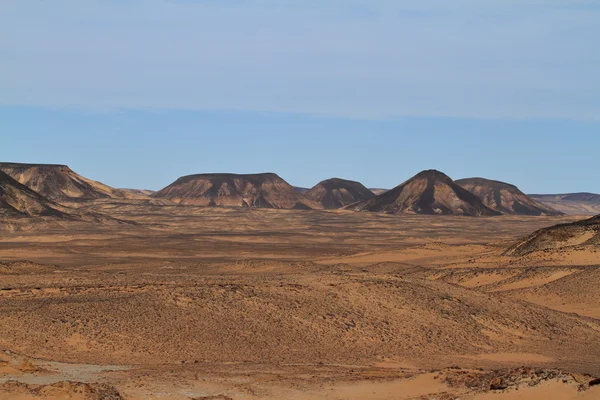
336	193
428	192
59	181
261	190
505	197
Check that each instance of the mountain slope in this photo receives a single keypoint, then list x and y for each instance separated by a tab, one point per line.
336	193
504	197
580	233
266	190
56	182
428	192
18	200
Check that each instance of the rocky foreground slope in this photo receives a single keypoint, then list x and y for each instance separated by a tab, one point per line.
336	193
580	233
429	192
505	198
266	190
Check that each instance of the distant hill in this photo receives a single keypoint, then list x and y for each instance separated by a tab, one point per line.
17	200
336	193
139	192
504	197
378	191
266	190
571	203
580	233
428	192
301	190
56	182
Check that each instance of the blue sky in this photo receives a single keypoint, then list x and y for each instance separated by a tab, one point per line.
370	90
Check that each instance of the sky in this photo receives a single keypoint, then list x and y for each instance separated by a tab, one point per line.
136	93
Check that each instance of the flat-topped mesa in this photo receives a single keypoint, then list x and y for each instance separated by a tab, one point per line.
17	200
59	182
264	190
428	192
336	193
505	198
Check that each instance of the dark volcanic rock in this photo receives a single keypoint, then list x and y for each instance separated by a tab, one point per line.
336	193
266	190
19	200
429	192
504	197
58	182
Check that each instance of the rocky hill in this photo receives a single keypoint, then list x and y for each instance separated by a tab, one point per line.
429	192
505	198
17	200
580	233
57	182
336	193
265	190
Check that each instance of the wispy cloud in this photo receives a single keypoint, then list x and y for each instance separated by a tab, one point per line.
355	58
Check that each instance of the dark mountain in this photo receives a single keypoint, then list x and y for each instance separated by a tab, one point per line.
504	197
580	233
266	190
429	192
17	200
58	182
336	193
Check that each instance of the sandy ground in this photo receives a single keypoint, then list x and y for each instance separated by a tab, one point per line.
189	303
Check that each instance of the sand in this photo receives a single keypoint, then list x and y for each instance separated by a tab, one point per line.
186	302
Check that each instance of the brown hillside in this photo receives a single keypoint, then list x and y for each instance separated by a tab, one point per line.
336	193
580	233
57	182
429	192
17	200
266	190
504	197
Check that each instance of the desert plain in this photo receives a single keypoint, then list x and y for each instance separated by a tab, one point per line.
170	301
